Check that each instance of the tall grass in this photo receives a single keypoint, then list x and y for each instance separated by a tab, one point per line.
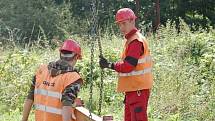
184	75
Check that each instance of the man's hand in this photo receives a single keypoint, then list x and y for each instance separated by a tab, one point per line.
104	63
68	113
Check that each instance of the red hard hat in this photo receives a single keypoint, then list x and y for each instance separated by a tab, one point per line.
124	14
72	46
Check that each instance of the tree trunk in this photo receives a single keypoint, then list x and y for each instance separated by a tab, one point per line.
157	23
137	7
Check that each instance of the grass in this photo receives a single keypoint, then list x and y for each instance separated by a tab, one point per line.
184	75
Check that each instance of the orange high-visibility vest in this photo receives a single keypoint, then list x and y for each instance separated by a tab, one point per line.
141	77
48	92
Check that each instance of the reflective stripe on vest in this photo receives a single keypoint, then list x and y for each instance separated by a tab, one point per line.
48	109
48	93
140	61
145	59
135	73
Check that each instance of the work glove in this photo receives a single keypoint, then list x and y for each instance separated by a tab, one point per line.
104	63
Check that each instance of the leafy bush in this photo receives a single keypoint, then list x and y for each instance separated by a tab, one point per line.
184	75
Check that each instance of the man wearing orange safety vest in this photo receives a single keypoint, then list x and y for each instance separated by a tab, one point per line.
55	87
134	69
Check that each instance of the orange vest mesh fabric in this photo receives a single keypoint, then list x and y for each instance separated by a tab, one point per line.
141	77
48	93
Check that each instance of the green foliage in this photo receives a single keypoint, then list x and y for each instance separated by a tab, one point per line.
14	73
31	18
184	75
46	19
181	83
198	12
17	68
14	115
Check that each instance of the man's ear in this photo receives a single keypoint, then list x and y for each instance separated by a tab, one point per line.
76	57
132	21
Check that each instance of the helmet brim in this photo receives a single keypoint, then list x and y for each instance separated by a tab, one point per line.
124	20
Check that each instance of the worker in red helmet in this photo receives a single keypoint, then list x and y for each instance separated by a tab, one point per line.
134	69
55	87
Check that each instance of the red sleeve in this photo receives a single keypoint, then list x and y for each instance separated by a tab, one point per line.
135	50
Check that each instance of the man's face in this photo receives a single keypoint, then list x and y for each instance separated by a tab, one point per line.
125	26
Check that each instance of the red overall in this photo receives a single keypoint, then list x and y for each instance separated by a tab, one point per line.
133	78
136	105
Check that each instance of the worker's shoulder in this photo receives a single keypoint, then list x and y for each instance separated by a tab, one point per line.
41	68
140	36
138	39
135	43
72	73
72	76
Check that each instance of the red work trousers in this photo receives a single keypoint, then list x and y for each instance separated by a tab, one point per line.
136	105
